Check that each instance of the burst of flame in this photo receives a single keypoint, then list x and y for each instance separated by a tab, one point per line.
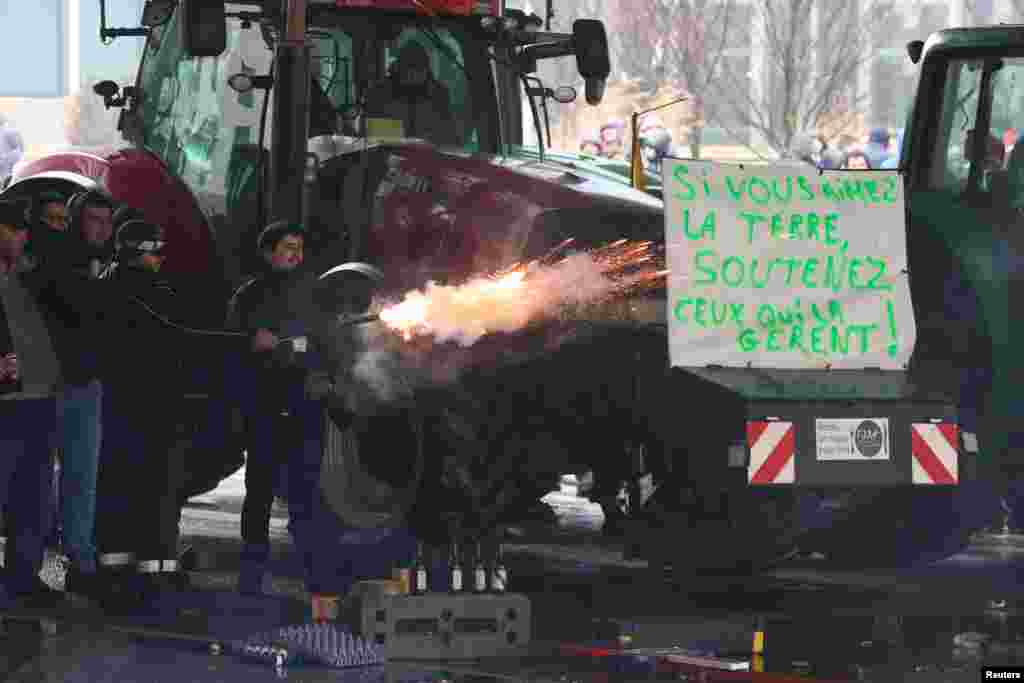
513	297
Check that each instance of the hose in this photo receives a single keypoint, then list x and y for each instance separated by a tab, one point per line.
357	320
325	644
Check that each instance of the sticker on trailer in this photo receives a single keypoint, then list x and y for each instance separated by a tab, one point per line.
934	450
772	446
857	439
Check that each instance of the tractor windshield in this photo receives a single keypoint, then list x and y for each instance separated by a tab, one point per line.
974	152
416	77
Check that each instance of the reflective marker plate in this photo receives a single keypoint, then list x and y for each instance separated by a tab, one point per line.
299	344
852	439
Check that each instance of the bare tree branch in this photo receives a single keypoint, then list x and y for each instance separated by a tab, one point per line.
812	55
805	67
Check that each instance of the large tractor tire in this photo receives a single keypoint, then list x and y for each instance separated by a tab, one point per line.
686	530
909	526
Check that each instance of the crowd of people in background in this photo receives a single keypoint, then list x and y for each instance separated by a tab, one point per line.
12	148
880	150
612	142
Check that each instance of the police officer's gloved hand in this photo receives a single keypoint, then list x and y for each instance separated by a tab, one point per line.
284	354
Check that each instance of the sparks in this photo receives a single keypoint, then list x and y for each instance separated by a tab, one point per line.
510	299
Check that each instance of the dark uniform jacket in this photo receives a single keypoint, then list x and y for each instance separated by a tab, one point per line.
141	351
63	277
283	304
66	252
31	330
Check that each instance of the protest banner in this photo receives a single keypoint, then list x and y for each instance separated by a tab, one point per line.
780	266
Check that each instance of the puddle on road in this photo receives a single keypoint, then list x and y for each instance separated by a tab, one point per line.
881	648
868	647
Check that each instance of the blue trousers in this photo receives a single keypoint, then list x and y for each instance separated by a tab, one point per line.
80	442
27	437
334	555
138	503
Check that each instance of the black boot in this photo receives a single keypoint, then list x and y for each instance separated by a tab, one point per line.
614	518
188	559
252	571
40	596
120	587
123	594
92	586
162	576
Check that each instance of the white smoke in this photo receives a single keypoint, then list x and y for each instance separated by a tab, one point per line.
379	368
376	369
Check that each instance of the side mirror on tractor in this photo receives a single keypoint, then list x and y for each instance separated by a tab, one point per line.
590	43
203	29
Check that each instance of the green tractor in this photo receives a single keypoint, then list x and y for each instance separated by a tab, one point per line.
964	192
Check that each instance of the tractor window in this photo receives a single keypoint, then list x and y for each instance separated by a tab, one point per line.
1007	120
443	111
1001	164
191	119
960	98
332	62
209	134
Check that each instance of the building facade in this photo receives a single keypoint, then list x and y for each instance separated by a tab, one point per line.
53	55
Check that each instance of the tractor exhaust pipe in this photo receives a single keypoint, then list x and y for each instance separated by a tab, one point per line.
292	63
359	320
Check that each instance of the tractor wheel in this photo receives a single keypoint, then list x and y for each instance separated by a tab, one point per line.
907	526
705	532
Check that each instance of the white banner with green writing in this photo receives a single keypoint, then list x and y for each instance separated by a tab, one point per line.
782	267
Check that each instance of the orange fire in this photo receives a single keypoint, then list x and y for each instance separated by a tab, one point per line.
512	298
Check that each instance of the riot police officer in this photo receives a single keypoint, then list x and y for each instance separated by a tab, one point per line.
71	244
274	304
138	504
90	223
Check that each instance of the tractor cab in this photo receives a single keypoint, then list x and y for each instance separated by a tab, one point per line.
260	124
964	176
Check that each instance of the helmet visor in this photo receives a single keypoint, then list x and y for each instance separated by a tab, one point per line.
151	246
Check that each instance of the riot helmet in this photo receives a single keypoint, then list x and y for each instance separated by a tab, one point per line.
125	213
90	219
137	239
78	201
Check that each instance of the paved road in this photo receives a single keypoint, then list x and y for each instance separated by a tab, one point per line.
923	624
934	624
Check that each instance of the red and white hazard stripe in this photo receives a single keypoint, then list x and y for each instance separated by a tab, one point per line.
772	445
934	447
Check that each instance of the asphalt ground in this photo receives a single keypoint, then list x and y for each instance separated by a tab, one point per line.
939	622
